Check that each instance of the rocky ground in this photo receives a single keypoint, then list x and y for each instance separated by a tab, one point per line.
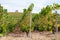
34	36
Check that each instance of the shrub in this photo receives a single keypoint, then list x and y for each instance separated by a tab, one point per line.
10	27
32	27
36	27
1	29
59	28
24	28
48	27
40	28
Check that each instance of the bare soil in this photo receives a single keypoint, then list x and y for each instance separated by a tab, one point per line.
34	36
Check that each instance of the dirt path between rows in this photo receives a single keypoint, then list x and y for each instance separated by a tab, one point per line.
34	36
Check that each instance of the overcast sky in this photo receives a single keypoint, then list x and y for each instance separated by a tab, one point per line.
19	5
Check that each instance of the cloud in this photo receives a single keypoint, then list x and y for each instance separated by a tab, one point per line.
13	5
